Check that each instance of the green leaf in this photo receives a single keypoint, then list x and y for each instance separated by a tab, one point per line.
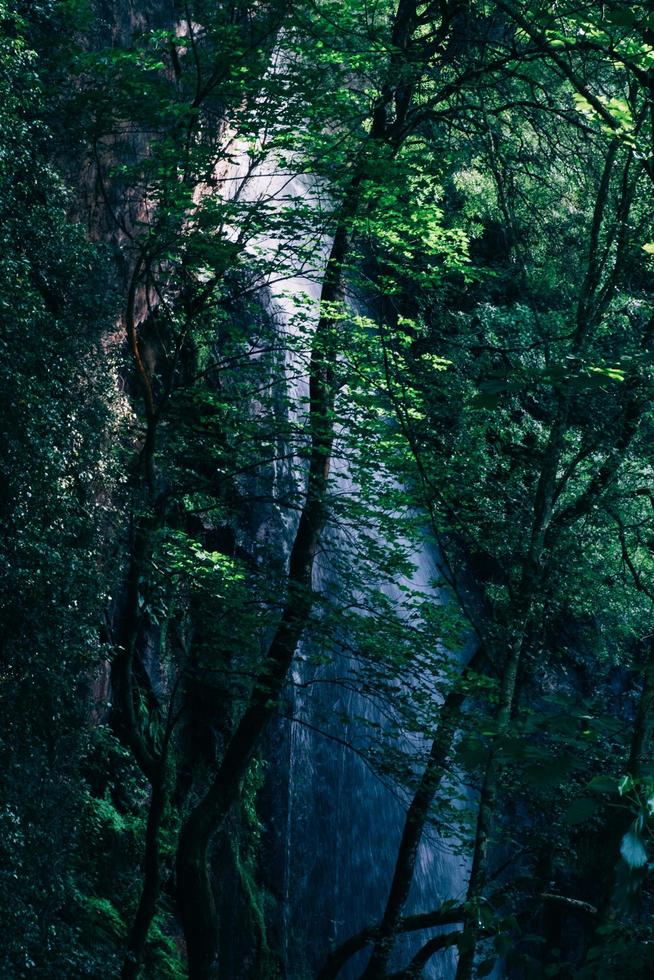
621	18
485	401
543	775
486	967
502	943
580	810
472	751
466	941
625	784
649	248
632	850
603	784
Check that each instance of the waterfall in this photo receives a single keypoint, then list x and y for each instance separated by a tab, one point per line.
346	823
333	824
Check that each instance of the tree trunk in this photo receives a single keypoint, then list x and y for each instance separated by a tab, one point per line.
196	900
195	894
409	923
543	528
414	824
486	810
151	879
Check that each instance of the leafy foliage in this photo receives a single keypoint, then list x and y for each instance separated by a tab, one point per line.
359	280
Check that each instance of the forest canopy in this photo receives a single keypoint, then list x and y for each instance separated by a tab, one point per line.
327	578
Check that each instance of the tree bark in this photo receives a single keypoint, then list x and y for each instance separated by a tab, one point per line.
414	970
414	825
486	809
410	923
151	879
195	893
545	524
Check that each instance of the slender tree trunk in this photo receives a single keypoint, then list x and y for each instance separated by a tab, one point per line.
618	821
409	923
486	811
414	825
543	528
151	878
517	631
195	893
151	761
196	900
415	968
642	743
122	674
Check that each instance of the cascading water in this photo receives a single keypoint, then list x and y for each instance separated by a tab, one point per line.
334	824
347	824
